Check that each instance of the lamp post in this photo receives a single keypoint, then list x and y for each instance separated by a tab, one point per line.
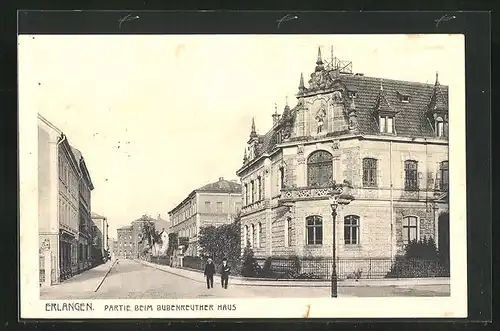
338	197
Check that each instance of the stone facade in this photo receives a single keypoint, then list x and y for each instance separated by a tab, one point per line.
359	131
62	229
213	204
125	248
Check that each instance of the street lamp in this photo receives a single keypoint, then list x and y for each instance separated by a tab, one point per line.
338	197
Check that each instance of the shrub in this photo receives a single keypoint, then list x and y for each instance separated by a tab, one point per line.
250	267
421	259
222	242
172	243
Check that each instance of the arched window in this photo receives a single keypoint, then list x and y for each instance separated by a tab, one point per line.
320	169
411	175
351	230
444	175
410	229
314	227
369	172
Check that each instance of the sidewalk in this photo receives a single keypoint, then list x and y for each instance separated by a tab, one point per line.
236	280
86	282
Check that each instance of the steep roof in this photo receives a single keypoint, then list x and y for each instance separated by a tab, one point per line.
410	117
220	186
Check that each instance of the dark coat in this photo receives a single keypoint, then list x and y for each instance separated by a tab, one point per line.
209	269
225	270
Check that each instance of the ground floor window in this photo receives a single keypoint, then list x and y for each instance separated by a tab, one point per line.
351	230
314	227
410	229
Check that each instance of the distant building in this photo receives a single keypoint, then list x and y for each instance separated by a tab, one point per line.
113	248
64	187
125	249
161	249
138	245
215	204
101	237
387	138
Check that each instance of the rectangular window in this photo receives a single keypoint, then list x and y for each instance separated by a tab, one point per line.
289	231
259	182
254	197
219	207
410	229
440	129
351	230
389	125
314	230
369	172
382	124
281	178
411	175
386	124
208	207
444	176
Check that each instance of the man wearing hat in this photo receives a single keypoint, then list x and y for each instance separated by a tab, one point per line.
224	273
209	273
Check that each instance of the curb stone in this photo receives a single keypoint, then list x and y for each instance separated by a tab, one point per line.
393	282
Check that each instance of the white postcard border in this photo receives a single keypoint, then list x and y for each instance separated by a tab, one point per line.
31	307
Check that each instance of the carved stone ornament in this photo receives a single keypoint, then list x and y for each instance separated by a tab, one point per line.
45	245
335	145
301	160
300	149
337	97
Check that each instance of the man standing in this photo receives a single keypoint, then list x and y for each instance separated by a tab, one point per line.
209	273
224	274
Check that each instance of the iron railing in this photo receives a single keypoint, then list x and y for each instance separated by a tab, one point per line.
373	268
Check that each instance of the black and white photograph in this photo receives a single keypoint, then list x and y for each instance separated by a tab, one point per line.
207	176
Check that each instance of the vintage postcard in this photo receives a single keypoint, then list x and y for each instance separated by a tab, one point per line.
242	176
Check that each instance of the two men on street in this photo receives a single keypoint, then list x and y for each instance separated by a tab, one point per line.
210	271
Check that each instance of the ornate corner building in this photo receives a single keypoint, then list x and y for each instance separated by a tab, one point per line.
387	138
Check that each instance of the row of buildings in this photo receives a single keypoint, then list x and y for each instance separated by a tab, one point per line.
129	243
72	238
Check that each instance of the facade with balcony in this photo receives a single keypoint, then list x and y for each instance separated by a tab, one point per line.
214	204
387	139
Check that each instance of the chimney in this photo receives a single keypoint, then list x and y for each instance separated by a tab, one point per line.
221	179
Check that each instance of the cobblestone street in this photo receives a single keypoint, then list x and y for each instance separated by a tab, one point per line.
131	280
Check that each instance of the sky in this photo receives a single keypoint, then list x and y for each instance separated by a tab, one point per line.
158	116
